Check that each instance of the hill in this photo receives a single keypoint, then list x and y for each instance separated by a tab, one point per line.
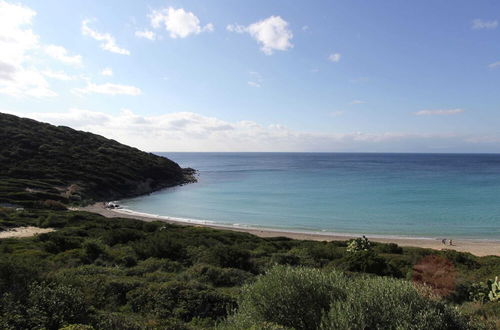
44	165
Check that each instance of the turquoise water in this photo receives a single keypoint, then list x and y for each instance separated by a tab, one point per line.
421	195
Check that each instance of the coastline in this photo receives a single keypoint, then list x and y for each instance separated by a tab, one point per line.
475	246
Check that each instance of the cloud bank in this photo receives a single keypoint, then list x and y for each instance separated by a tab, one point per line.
439	112
187	131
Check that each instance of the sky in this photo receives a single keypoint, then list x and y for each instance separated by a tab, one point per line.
291	76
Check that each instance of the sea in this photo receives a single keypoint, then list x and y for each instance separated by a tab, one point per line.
379	194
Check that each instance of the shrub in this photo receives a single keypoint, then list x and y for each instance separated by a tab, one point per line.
288	297
160	245
391	248
180	300
52	306
57	242
358	245
93	249
366	262
385	303
121	236
217	276
229	256
436	272
16	274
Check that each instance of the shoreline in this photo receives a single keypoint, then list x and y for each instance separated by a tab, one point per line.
477	247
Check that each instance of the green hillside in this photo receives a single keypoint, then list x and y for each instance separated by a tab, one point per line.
40	162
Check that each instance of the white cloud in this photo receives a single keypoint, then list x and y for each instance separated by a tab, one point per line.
335	57
494	65
58	75
305	28
108	41
178	22
337	113
107	72
357	102
18	76
272	33
147	34
253	84
187	131
236	28
439	112
109	89
60	53
479	24
256	79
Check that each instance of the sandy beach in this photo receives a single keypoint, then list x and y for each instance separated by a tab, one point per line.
476	247
20	232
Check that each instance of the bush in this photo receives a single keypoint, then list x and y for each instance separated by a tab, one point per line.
217	276
229	256
160	245
385	303
121	236
288	297
305	298
93	249
366	262
359	245
391	248
52	306
180	300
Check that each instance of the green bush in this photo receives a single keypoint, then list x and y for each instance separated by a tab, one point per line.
93	249
366	262
305	298
217	276
391	248
181	300
51	306
385	303
289	297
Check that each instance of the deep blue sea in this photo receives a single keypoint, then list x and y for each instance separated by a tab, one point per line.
419	195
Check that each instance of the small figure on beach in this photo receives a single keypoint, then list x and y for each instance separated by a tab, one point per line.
451	242
443	241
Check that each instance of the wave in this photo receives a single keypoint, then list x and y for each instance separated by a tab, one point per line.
316	232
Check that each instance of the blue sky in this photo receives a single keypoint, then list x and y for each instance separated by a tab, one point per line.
402	76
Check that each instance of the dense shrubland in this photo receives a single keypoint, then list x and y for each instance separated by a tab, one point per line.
128	274
47	166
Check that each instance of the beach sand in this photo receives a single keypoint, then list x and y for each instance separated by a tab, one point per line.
476	247
20	232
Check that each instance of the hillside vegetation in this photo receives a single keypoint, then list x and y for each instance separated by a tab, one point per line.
130	274
41	163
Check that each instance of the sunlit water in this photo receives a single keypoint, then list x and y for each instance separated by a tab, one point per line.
424	195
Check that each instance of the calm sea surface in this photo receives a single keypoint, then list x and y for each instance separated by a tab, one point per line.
424	195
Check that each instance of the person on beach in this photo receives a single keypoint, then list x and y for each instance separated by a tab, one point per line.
443	241
451	242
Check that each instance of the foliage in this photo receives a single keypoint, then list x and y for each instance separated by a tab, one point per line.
384	303
290	297
483	292
305	298
129	274
359	244
436	272
46	166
